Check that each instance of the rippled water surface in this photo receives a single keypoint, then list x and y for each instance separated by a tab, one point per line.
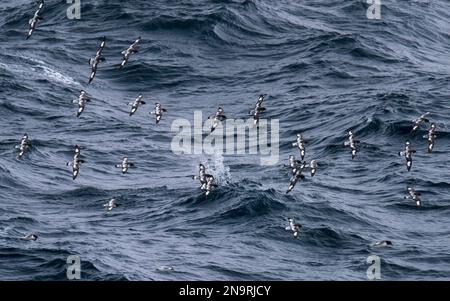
326	69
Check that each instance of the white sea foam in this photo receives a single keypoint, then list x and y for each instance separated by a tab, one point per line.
216	166
53	74
31	68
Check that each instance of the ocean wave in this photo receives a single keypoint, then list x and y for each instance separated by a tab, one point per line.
327	70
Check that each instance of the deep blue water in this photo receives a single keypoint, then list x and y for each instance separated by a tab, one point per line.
326	69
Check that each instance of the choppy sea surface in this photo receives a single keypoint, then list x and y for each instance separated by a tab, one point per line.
326	68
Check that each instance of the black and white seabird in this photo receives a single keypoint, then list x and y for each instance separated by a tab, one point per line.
202	176
313	166
210	184
414	195
419	121
23	146
158	112
407	153
352	143
300	143
165	268
96	60
207	181
382	243
129	51
33	22
261	98
76	163
296	176
125	165
256	112
431	137
294	164
294	227
218	117
81	101
111	204
135	104
77	151
30	237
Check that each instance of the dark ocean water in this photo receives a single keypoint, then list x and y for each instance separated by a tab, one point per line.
326	68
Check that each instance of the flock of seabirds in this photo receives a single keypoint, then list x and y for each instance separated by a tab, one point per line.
207	181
